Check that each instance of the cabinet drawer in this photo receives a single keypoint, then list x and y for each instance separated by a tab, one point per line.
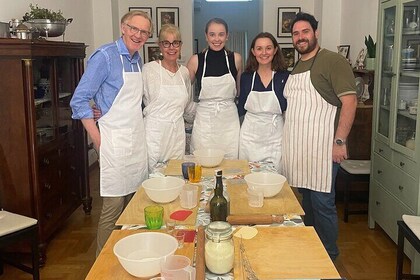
395	181
382	150
386	210
405	164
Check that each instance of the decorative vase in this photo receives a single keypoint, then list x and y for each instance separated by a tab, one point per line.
370	63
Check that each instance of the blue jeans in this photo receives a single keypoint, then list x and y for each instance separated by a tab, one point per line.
321	213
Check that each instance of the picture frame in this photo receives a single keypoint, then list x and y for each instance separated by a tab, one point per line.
147	10
290	54
344	50
151	52
166	15
285	17
361	58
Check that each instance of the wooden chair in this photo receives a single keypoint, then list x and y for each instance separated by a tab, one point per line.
353	171
15	228
405	231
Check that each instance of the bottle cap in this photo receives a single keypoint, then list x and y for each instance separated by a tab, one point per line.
218	172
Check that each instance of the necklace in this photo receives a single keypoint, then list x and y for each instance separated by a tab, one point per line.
170	73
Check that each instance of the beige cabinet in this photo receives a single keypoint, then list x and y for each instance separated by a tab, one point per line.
43	152
394	184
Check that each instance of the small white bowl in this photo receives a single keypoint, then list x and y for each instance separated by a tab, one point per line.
140	254
209	157
163	189
271	183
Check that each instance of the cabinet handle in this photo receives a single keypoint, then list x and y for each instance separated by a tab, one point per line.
46	161
379	171
47	186
400	188
380	150
378	203
402	163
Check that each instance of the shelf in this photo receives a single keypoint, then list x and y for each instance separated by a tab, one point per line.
64	94
42	100
415	74
385	107
405	113
411	32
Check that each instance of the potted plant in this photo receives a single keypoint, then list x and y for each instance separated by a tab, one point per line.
49	23
371	53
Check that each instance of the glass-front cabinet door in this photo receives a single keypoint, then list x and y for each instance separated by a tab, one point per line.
408	63
386	70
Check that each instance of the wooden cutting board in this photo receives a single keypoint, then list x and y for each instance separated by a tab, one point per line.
228	166
107	265
133	214
285	202
285	253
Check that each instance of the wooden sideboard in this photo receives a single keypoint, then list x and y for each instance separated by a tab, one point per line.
43	152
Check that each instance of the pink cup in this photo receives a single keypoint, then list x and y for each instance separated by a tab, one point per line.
177	267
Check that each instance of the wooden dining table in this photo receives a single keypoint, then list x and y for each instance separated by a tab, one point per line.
293	247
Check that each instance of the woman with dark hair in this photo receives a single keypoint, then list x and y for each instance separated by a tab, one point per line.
261	101
217	72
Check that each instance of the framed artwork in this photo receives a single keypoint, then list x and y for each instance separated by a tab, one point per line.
151	52
147	10
414	44
166	15
344	50
285	16
290	55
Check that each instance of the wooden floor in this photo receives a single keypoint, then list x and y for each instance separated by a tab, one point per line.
365	253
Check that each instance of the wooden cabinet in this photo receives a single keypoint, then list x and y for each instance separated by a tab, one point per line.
395	176
43	152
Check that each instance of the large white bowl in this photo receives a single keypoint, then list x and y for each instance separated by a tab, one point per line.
163	189
271	183
140	254
209	157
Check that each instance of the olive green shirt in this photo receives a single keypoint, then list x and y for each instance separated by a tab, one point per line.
331	75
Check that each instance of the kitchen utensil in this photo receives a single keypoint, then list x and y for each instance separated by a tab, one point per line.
163	189
255	197
49	28
270	183
200	264
255	219
153	215
232	167
180	215
141	254
209	157
188	196
177	268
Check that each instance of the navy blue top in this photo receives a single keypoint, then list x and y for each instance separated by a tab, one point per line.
279	79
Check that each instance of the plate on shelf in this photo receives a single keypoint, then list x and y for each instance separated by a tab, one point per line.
360	87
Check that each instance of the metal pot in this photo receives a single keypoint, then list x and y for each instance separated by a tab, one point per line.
4	30
22	34
47	28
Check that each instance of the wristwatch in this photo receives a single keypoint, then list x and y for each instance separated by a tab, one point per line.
340	142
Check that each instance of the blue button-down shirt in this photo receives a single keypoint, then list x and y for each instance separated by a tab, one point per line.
103	79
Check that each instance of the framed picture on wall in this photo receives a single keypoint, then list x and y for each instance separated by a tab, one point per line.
151	52
290	55
285	16
147	10
165	16
344	50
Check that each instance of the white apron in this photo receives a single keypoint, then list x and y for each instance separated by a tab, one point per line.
165	129
216	122
308	135
123	155
262	129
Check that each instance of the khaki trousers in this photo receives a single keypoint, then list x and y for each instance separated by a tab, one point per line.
112	208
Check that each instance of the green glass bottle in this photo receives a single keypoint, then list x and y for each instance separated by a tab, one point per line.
218	203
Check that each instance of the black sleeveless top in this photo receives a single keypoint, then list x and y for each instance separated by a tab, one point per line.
216	65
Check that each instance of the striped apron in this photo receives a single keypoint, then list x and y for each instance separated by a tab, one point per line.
308	135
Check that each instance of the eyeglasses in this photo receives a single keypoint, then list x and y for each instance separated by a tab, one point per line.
136	30
167	44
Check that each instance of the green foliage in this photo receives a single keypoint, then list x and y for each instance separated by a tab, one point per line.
370	46
37	12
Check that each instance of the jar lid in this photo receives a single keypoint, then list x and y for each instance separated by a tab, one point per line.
219	231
